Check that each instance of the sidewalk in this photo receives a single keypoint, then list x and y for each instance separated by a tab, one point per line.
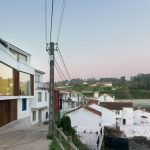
34	138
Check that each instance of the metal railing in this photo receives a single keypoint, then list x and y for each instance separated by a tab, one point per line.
64	142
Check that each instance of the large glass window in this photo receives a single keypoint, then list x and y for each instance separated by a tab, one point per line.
25	83
6	80
19	57
22	58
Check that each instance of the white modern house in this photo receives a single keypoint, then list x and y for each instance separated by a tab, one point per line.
40	104
16	85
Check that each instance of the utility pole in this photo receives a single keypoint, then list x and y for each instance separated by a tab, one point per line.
50	50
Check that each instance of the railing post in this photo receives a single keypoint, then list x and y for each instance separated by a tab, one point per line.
69	139
60	137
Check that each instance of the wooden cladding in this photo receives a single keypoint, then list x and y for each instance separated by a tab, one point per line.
32	85
16	82
8	111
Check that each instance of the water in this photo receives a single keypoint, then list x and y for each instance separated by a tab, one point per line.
144	103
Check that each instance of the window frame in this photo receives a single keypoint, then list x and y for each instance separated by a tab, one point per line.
24	104
40	97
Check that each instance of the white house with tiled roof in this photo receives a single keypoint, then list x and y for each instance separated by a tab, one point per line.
87	122
123	110
108	117
105	98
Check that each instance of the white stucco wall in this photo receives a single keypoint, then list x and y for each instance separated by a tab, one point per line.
108	116
84	120
105	98
43	103
22	114
128	115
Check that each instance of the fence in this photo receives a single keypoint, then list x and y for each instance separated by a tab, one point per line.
64	142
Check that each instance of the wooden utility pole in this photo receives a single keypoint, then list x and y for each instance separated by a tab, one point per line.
50	49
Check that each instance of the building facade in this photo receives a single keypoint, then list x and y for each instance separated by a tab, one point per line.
40	104
70	100
123	110
16	85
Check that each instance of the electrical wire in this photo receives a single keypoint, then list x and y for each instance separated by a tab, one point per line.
61	57
59	73
60	70
61	19
51	27
46	21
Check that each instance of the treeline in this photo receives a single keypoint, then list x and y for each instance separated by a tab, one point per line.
138	87
140	81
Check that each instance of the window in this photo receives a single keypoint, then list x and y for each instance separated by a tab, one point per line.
39	96
46	96
24	104
19	57
25	84
22	58
46	115
6	80
124	121
14	54
34	115
37	78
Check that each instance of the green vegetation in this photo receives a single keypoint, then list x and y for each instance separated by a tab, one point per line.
65	123
138	87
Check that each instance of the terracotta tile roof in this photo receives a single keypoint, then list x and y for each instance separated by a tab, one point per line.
87	108
72	110
116	105
93	110
144	117
92	102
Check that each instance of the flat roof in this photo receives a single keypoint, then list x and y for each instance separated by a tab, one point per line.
14	47
39	71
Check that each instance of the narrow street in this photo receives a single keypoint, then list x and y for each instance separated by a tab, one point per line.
34	138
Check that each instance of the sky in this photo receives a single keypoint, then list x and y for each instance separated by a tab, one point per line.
99	38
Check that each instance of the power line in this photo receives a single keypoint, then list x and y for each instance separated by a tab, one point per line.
61	19
51	27
60	70
46	21
61	57
59	73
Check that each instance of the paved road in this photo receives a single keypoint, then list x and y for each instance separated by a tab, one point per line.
33	138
